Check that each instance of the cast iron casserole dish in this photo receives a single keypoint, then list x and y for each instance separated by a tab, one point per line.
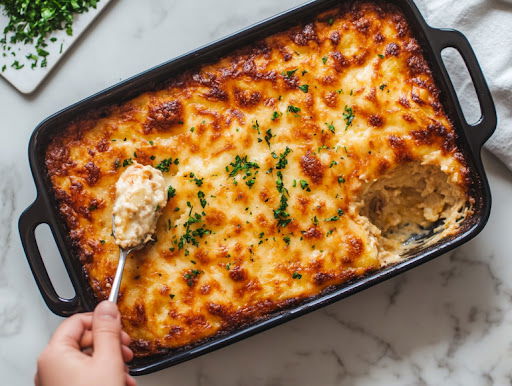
470	140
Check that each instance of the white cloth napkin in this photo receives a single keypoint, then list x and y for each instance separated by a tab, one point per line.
488	26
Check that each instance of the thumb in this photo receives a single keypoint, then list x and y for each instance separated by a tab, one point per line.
106	331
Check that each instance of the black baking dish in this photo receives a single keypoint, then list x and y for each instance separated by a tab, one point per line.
471	139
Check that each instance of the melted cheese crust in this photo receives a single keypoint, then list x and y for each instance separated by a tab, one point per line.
370	105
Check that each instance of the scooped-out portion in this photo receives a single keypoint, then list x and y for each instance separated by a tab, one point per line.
412	205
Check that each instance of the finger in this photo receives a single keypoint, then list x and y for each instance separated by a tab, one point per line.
71	330
88	351
125	338
106	330
130	381
127	353
86	340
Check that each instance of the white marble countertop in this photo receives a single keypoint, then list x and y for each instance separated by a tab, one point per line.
446	322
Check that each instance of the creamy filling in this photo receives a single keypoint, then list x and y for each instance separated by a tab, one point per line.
140	199
413	205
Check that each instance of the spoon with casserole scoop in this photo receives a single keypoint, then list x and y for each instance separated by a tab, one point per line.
140	199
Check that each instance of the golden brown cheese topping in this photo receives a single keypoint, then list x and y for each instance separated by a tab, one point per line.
310	158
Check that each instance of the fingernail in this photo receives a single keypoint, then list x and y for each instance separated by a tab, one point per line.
107	310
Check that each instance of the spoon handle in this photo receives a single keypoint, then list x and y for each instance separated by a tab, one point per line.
114	292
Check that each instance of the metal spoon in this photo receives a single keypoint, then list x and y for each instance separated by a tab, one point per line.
123	254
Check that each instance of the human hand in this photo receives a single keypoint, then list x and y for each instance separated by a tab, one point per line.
87	349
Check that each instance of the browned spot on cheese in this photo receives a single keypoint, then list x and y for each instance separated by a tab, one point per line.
392	49
334	37
400	148
312	167
312	233
408	118
57	159
417	65
237	274
321	278
93	173
215	217
247	98
304	36
162	116
375	120
354	247
404	101
103	145
331	98
340	61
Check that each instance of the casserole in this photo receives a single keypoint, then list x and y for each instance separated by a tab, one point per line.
477	188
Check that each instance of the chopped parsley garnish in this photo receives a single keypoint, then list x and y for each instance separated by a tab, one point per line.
293	109
33	22
190	235
171	192
280	214
190	276
164	165
330	126
127	162
279	183
341	180
256	126
340	212
304	72
348	116
276	115
324	59
383	86
228	266
380	56
117	163
333	163
333	218
198	181
172	296
286	239
296	275
102	241
330	21
281	164
242	165
304	88
315	220
268	136
202	200
151	143
289	74
192	129
305	186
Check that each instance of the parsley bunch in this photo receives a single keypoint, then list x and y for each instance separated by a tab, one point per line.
31	21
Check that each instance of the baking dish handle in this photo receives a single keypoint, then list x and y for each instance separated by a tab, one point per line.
33	216
480	131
